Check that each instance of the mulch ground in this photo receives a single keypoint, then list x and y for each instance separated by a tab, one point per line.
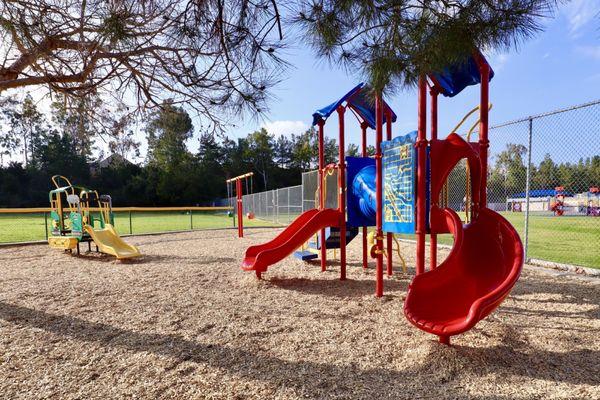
185	322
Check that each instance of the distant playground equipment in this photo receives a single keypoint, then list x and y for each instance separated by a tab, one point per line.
401	190
74	221
238	189
558	201
587	203
593	202
558	205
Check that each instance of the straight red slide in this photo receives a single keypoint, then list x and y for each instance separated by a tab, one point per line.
259	258
480	271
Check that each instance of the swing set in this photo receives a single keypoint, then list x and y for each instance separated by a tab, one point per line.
238	189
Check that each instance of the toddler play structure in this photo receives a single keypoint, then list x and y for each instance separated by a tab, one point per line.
401	191
238	189
75	220
558	204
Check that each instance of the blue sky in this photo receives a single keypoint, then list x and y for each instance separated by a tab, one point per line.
558	68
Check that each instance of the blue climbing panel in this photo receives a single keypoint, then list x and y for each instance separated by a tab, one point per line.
399	177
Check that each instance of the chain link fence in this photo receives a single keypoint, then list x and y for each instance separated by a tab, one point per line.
273	207
21	226
544	174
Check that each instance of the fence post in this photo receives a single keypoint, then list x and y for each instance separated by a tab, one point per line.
191	220
527	188
46	223
130	224
273	205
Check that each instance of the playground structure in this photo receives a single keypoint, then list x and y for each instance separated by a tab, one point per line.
558	205
585	204
79	222
558	202
401	190
593	202
238	189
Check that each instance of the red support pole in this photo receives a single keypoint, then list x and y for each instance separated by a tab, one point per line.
240	208
342	193
421	175
379	195
484	143
321	125
365	259
388	244
434	127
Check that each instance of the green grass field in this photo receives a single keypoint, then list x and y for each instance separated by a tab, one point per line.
570	240
30	227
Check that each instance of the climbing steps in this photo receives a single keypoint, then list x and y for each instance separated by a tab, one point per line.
332	241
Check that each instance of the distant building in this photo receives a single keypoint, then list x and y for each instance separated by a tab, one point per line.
111	161
542	200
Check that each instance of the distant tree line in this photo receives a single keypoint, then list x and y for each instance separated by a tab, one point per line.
34	147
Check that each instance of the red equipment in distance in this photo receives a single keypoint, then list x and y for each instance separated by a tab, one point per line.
558	206
239	192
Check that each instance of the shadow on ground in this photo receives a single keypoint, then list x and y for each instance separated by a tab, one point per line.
441	366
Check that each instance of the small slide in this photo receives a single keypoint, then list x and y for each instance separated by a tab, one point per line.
483	266
259	258
109	242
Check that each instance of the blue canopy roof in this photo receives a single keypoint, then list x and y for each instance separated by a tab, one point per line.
358	101
540	193
454	78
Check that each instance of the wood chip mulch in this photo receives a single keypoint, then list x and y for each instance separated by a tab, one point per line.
184	322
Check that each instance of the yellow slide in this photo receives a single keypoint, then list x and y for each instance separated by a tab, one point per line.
109	242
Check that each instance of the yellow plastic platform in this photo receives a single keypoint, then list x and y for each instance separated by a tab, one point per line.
62	242
109	242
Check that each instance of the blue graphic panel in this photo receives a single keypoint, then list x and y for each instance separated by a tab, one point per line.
361	197
399	177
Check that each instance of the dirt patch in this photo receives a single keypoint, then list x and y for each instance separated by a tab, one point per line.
186	322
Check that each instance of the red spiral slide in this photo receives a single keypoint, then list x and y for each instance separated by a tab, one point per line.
259	258
483	266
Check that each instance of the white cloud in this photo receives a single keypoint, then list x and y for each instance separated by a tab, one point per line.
498	61
593	78
589	51
579	13
285	128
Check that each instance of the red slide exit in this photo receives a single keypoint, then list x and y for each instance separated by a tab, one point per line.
259	258
483	266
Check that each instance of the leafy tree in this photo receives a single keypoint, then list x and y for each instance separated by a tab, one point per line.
82	121
511	167
283	151
304	150
59	156
371	150
28	129
122	138
211	173
260	153
547	174
352	150
168	130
